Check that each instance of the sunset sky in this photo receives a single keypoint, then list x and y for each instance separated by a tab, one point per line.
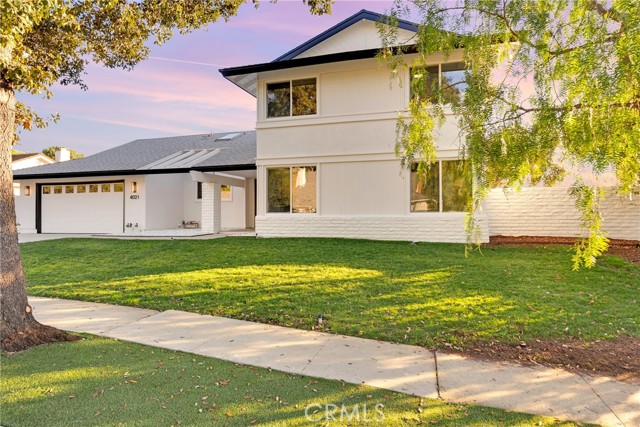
178	90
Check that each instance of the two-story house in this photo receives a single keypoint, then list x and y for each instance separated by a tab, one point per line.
326	129
320	163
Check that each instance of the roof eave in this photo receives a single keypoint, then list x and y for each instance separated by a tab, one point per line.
253	70
87	174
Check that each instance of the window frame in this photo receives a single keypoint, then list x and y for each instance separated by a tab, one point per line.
291	188
198	193
439	65
290	116
440	191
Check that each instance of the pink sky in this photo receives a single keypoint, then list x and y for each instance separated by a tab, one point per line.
178	90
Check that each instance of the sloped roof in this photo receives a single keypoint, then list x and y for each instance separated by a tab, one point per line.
135	158
359	16
21	156
245	77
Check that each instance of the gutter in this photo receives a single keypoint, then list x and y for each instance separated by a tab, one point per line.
84	174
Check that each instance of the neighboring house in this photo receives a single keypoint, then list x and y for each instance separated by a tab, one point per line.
27	160
323	161
143	185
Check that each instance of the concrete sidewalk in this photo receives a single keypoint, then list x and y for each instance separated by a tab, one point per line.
407	369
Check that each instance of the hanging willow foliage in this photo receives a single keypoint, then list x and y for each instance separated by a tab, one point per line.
553	87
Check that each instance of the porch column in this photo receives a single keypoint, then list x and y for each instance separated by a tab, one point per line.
250	203
211	213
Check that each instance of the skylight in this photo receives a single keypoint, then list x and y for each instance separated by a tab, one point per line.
229	136
181	159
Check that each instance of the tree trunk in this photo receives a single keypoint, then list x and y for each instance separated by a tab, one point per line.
18	329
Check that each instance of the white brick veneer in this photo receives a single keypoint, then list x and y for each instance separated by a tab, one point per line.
436	227
552	212
211	209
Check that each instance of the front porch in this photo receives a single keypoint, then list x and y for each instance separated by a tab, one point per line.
211	208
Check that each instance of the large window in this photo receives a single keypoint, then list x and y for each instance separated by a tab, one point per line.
292	98
442	189
442	83
292	189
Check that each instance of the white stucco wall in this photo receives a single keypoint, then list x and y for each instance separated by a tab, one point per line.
539	211
163	196
26	208
192	206
233	212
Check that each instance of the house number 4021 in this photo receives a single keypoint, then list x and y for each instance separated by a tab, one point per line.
134	196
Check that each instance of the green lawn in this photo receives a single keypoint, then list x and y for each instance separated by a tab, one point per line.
425	294
100	382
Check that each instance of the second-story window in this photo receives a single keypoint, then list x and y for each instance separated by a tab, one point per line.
292	98
442	83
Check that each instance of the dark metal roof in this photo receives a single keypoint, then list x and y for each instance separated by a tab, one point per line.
359	16
311	60
128	159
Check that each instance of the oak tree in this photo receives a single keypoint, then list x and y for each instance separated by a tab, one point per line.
43	42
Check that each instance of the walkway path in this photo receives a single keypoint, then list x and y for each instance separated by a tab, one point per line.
407	369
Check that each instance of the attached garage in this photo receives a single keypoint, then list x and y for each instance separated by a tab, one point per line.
91	207
142	186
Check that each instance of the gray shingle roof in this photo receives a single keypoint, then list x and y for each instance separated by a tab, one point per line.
130	157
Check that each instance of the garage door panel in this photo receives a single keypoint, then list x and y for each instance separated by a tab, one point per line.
100	212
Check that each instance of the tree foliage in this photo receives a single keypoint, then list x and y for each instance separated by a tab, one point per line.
579	61
43	42
47	41
51	152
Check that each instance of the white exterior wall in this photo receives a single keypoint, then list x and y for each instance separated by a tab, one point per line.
361	199
233	212
436	227
163	194
359	36
29	162
362	191
26	208
211	210
539	211
192	206
373	188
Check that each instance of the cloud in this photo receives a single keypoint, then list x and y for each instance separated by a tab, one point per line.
179	90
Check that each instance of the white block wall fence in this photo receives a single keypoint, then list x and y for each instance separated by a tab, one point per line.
551	211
